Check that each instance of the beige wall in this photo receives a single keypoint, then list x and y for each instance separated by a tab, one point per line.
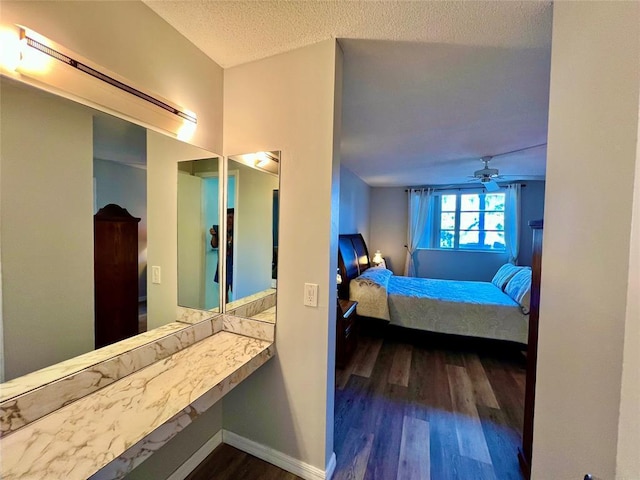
286	103
593	125
628	459
47	230
191	241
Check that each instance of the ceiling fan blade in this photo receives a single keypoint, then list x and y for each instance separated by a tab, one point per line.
491	186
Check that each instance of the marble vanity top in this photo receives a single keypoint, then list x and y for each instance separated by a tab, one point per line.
268	315
50	374
253	304
79	439
35	395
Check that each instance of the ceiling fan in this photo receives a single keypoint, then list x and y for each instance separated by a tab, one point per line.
487	176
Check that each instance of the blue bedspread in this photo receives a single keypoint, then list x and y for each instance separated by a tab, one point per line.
449	291
478	309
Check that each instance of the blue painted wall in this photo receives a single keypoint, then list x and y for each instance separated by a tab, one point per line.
354	204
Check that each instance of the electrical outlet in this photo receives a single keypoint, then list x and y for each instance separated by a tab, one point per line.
155	275
311	294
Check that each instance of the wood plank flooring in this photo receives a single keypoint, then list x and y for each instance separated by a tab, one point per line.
414	407
418	407
229	463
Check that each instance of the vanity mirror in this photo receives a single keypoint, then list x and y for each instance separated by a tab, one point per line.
61	163
247	236
252	228
198	214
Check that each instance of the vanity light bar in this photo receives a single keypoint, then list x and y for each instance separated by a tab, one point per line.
101	76
272	157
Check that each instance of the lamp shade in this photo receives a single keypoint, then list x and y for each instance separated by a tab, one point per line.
377	258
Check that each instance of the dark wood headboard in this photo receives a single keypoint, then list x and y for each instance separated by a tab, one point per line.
353	259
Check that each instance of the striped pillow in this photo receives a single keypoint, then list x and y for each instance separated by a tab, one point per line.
504	274
519	288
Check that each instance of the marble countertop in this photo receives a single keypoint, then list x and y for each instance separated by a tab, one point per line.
268	315
35	395
63	369
249	299
79	439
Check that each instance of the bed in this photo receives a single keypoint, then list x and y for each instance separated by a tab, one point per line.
496	309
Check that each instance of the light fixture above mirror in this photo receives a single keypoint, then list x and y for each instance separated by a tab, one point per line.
37	60
268	162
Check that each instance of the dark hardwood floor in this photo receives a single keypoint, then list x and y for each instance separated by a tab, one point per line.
411	406
414	406
229	463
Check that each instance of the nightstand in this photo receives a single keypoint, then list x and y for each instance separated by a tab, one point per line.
346	331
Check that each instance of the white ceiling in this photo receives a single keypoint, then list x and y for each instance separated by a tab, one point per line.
429	87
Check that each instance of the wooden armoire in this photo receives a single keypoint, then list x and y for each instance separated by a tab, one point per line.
524	453
115	238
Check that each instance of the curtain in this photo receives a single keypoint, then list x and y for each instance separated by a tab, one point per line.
419	224
512	222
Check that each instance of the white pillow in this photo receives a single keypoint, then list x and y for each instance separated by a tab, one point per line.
504	274
519	288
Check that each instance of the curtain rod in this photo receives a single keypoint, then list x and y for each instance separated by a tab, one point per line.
458	188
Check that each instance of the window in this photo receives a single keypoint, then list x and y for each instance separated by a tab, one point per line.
468	221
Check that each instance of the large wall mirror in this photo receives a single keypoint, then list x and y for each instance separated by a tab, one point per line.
62	163
244	233
252	225
199	193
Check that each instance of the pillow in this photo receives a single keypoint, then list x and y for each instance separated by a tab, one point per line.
504	274
519	288
375	277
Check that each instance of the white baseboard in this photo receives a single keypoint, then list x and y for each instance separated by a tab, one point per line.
279	459
197	458
331	466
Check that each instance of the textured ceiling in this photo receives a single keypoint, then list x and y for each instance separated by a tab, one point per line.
417	114
429	87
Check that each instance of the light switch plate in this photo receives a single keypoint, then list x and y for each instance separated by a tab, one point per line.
155	275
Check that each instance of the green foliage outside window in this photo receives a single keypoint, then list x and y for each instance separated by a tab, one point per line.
470	221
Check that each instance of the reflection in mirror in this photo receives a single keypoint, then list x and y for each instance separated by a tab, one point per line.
61	163
252	227
198	219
